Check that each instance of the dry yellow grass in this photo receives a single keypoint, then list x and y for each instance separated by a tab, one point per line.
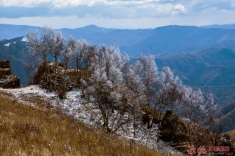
232	134
43	130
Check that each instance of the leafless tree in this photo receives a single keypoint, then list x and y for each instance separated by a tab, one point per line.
37	49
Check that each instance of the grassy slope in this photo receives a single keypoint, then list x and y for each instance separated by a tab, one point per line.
44	130
232	134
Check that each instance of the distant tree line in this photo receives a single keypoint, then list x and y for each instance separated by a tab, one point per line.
125	92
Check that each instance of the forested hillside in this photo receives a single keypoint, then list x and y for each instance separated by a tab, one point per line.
212	70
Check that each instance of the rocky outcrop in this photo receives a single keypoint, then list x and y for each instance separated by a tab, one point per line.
4	64
4	69
47	78
59	79
7	79
174	130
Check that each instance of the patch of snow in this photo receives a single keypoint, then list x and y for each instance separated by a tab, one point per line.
24	39
7	45
29	90
14	42
51	64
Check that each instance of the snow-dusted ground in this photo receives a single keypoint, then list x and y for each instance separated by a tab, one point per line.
87	114
7	45
24	39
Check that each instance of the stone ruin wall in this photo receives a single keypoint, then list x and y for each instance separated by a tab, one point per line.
5	69
7	79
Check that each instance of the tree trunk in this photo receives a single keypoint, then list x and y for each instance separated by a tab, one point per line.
56	73
189	131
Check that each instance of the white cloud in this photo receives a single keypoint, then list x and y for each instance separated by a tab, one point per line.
204	18
22	3
121	10
91	8
54	3
180	8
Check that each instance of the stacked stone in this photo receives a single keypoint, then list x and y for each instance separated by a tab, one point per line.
7	80
4	69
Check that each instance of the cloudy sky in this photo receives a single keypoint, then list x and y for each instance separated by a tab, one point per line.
116	13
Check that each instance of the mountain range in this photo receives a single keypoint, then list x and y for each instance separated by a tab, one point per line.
167	39
223	26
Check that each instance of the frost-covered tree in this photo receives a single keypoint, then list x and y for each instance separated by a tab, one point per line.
135	79
79	53
67	54
211	111
161	89
36	45
145	67
168	91
56	43
136	90
191	106
104	86
211	116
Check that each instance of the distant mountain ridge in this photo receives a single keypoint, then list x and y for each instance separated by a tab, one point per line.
8	31
168	39
222	26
